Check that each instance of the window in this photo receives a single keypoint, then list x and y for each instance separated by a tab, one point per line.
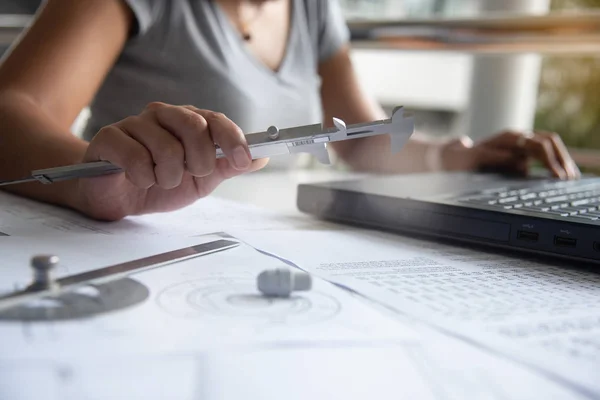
568	102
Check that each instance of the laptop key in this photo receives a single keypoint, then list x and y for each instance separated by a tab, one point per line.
508	200
479	199
571	211
557	213
582	209
580	202
541	208
475	200
557	199
534	209
529	196
584	217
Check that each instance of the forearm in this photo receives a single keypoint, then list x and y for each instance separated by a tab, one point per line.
343	97
373	154
30	139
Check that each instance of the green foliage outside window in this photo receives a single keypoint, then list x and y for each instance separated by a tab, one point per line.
569	94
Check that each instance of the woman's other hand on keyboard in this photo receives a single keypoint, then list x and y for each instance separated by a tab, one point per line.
512	152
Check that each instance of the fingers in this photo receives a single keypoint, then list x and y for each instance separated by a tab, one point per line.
191	131
114	145
228	136
543	147
164	141
563	155
167	151
543	150
199	130
169	147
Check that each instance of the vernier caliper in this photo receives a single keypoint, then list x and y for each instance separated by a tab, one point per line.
311	139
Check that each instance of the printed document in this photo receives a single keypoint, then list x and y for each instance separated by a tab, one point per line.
546	316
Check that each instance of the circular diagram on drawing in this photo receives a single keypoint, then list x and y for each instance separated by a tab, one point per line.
240	299
83	302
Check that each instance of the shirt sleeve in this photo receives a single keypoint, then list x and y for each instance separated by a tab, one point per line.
145	13
333	30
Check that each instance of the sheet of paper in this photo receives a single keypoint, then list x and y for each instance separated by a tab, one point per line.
98	378
457	369
203	328
437	367
547	317
207	302
25	217
291	373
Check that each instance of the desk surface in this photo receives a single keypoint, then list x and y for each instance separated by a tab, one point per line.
276	189
457	362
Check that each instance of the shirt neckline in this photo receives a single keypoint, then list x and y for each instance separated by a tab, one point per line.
232	34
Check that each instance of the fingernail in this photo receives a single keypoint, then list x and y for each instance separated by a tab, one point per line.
575	170
241	158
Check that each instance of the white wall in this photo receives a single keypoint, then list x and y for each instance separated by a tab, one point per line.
427	80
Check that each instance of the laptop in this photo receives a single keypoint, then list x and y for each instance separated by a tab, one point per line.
534	215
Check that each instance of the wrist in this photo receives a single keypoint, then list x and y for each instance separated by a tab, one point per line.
455	154
435	155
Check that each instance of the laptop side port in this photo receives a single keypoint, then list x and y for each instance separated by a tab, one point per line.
565	242
528	236
597	246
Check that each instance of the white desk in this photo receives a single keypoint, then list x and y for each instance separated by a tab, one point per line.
276	189
462	368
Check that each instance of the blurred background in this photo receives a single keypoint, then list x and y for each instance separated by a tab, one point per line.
447	89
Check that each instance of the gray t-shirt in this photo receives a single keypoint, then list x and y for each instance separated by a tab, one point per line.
188	52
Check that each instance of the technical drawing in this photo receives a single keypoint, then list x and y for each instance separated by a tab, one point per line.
84	302
236	296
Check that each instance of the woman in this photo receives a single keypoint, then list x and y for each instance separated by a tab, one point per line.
166	79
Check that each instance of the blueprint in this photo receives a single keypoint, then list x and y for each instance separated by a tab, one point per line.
202	331
200	303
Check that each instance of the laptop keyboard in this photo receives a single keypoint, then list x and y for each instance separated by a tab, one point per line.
577	200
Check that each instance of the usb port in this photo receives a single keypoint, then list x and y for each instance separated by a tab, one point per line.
564	242
528	236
